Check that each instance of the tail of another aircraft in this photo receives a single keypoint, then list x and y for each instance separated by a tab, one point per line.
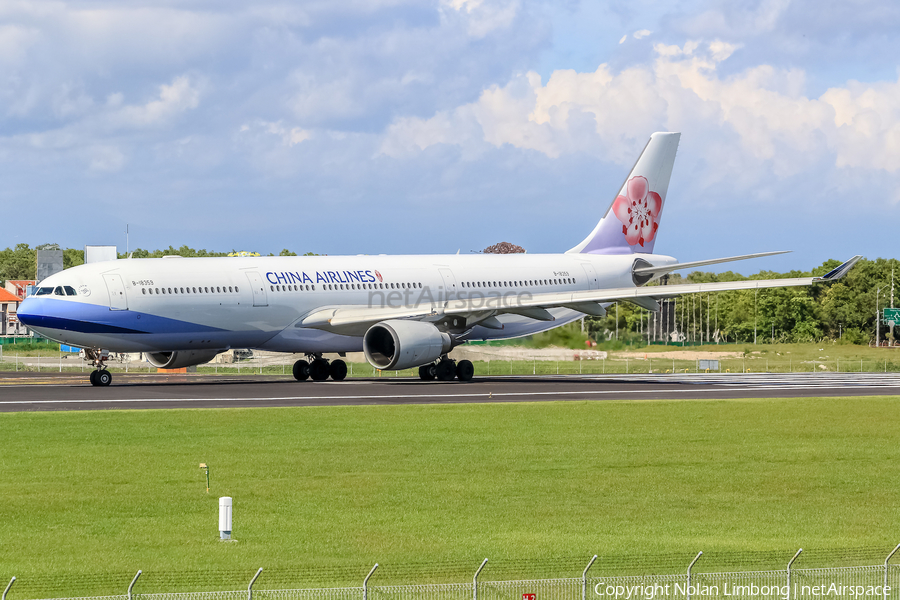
632	220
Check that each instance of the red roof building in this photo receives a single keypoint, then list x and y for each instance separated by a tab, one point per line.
17	286
9	323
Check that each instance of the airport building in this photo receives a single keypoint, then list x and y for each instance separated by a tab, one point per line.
9	305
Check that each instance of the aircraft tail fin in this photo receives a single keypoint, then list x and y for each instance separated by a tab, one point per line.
632	220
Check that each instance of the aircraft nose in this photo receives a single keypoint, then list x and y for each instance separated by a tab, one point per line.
27	313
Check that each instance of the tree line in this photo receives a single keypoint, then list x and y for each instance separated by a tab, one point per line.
845	309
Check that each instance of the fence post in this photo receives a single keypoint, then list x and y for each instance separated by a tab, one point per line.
584	579
475	580
11	581
133	581
688	588
789	570
250	587
366	582
894	551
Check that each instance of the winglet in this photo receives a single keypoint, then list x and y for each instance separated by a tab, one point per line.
840	271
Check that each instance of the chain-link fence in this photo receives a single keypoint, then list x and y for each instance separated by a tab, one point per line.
853	582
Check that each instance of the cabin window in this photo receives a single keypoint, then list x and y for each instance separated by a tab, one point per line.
144	291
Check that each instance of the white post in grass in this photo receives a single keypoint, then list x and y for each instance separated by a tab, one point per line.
690	566
789	570
366	583
250	587
584	579
475	580
225	516
133	581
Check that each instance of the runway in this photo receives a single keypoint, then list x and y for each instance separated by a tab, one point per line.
68	391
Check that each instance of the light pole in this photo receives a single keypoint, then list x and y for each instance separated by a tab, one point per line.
755	313
878	318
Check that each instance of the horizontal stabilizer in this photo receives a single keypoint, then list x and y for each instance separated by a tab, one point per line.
657	271
840	271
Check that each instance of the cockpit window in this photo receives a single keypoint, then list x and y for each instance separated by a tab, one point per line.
44	291
70	291
59	291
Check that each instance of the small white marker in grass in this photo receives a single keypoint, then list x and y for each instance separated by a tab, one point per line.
225	517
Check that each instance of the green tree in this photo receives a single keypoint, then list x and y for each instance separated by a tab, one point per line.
18	263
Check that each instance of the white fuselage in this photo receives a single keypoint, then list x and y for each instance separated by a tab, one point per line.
174	303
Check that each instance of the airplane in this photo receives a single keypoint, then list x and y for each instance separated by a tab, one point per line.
401	311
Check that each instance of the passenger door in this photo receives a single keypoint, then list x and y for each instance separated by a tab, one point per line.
258	287
116	288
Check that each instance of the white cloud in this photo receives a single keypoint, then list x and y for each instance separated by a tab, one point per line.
485	16
779	130
624	37
642	33
179	96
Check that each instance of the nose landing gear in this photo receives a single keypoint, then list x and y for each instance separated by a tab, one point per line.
100	377
319	369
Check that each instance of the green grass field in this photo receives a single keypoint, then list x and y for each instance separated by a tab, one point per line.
321	494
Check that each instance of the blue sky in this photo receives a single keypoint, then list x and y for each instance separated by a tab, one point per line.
387	126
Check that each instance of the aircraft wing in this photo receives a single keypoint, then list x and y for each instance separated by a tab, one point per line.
352	319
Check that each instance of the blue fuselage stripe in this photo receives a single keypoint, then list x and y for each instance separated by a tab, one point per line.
82	317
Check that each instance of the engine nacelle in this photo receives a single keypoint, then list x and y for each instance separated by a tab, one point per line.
182	358
400	344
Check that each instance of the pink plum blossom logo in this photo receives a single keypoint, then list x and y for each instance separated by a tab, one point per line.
638	211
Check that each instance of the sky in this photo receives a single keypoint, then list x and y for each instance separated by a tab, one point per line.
402	127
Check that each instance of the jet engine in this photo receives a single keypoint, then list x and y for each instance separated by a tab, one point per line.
400	344
182	358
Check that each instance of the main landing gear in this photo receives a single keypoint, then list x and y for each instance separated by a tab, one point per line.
319	369
100	377
447	369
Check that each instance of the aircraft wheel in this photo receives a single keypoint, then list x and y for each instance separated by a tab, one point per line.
103	378
338	370
426	372
445	370
301	370
465	370
319	369
94	378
